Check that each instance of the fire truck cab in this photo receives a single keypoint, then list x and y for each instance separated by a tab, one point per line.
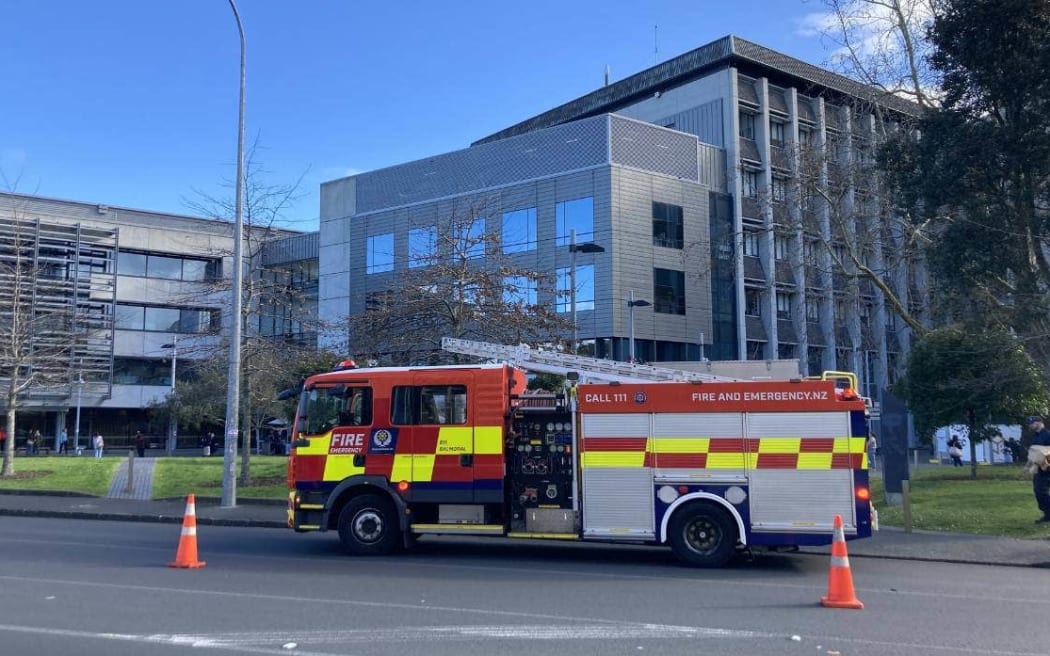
384	455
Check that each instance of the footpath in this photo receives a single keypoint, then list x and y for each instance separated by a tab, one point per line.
135	505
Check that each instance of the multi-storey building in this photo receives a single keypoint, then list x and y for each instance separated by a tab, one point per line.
730	187
135	288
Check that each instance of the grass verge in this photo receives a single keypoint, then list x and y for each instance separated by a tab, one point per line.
177	477
998	502
81	474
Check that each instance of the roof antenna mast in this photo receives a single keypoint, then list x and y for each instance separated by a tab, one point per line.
656	46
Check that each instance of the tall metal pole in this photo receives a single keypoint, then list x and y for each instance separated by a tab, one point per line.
572	285
172	419
630	326
76	426
233	390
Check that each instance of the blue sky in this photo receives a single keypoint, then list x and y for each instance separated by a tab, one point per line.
135	103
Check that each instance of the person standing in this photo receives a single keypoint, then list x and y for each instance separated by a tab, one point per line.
63	441
955	451
1040	472
873	451
99	445
140	444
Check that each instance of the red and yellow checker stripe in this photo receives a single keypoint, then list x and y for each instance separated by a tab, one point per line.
423	455
725	452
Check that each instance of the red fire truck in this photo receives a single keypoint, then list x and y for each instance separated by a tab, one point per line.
645	455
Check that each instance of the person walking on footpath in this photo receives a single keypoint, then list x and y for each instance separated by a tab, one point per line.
140	444
63	441
99	445
1039	466
955	451
873	451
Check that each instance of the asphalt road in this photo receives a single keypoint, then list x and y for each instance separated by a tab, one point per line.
93	587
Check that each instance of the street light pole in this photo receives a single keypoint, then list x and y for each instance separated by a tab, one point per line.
76	426
631	304
233	392
573	249
172	418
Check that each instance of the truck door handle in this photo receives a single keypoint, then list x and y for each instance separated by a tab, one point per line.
466	460
359	460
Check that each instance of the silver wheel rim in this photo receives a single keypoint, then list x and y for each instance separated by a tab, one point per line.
368	525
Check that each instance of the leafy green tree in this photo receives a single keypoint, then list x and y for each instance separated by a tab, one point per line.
979	379
976	173
548	382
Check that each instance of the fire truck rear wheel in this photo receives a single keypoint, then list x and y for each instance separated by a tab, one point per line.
368	526
703	535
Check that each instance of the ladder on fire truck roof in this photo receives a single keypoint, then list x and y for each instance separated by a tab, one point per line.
553	362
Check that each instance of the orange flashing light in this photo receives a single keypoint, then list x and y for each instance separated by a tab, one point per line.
863	493
402	486
849	394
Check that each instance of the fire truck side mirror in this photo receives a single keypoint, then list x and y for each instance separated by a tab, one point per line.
286	394
302	441
572	376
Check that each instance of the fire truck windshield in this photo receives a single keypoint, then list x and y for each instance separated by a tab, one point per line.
319	409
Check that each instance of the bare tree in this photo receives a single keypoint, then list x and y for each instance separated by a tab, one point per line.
883	44
459	282
37	329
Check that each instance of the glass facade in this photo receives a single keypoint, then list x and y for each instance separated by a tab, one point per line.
519	230
575	214
167	267
584	288
380	253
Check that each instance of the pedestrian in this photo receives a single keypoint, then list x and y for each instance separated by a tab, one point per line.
140	444
1039	466
214	443
63	441
873	451
99	445
33	443
955	446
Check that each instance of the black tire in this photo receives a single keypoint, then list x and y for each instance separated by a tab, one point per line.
368	526
702	535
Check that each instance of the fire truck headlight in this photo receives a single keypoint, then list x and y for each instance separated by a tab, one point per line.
667	494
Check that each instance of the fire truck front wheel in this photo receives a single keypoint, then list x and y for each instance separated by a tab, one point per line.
702	535
368	526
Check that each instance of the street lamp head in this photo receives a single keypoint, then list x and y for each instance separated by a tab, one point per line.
638	303
589	247
167	346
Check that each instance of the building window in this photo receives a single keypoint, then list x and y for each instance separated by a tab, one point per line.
809	249
668	291
422	246
519	230
747	125
667	225
167	267
575	214
753	302
520	290
786	351
804	136
470	240
584	288
756	350
749	181
783	305
751	242
780	247
776	133
380	256
165	319
778	189
813	310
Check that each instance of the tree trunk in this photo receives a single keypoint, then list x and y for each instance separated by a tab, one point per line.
971	417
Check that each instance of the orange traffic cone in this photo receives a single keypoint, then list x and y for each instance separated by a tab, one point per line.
186	556
840	580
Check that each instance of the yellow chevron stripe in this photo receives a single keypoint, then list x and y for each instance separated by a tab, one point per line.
814	461
422	467
780	445
336	468
318	446
454	441
402	469
614	459
488	440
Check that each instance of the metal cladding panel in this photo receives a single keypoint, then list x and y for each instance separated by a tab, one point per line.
627	425
707	424
798	424
801	501
647	147
618	502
